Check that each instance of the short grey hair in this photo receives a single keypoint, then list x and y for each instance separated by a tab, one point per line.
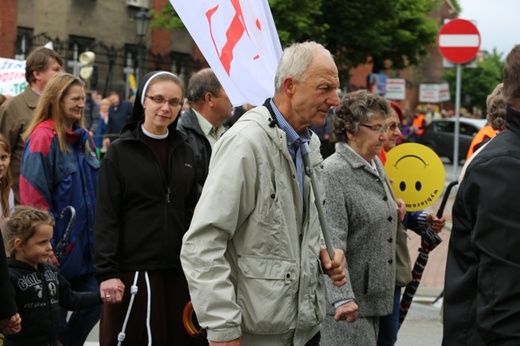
356	108
202	82
296	60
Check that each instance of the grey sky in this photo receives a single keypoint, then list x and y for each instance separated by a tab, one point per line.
497	20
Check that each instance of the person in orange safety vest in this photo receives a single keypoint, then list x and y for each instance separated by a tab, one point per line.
418	127
482	137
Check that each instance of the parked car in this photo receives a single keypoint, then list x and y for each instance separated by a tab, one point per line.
439	136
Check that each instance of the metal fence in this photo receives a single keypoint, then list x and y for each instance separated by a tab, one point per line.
114	65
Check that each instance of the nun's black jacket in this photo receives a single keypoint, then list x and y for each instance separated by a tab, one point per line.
141	214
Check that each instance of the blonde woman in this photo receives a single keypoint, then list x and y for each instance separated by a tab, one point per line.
59	171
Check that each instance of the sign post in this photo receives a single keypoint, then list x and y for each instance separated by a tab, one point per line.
459	42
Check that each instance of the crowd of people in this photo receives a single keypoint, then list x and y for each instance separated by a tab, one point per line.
122	213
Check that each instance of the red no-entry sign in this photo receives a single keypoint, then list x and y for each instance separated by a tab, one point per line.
458	41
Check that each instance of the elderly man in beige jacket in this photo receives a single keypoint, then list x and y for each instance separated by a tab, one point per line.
252	255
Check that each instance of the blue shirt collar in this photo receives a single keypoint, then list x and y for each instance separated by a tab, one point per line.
292	135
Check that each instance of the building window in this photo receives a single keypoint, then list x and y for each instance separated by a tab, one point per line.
81	43
24	42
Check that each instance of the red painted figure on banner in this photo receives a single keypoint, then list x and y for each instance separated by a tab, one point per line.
234	34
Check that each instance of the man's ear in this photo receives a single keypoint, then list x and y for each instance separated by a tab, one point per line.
208	98
36	75
288	85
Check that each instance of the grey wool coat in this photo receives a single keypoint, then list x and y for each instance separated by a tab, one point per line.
362	218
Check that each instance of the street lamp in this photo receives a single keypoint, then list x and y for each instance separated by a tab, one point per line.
142	21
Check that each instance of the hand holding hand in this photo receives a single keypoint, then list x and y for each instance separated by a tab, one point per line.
112	291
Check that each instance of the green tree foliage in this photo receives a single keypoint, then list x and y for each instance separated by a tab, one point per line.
476	83
166	18
295	20
395	31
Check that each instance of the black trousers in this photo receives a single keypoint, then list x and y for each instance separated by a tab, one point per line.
315	341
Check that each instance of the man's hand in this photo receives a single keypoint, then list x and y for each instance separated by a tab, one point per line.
111	291
436	223
335	269
236	342
347	312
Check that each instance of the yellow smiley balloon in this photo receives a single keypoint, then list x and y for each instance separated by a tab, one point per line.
417	175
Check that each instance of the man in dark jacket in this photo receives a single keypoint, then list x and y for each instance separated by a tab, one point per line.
202	122
482	295
118	114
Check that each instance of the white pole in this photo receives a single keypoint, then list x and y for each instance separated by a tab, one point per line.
76	64
457	126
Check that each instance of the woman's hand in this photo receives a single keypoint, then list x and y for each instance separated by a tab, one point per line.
401	209
112	291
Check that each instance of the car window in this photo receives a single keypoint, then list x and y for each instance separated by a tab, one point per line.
467	129
444	126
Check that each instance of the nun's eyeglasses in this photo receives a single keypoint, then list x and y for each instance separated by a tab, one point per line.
158	99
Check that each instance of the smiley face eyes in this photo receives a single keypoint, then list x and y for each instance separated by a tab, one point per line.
402	186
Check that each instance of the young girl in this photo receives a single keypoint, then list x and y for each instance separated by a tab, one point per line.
39	287
6	193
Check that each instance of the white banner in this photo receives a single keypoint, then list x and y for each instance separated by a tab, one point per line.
12	76
434	93
239	40
395	89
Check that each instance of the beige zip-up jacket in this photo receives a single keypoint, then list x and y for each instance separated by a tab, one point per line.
251	262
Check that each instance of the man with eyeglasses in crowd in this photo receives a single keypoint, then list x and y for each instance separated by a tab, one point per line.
202	122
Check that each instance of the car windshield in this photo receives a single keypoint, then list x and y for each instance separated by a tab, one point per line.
449	127
444	126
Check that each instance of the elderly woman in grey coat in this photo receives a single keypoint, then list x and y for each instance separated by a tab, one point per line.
362	217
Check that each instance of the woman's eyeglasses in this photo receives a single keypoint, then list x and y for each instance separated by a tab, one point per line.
377	128
173	103
393	127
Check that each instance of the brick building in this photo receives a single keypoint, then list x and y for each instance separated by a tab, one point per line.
429	72
105	27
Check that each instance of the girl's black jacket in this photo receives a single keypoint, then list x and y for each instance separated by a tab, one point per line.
39	294
142	214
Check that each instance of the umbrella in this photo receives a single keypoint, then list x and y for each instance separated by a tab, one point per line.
429	241
62	246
